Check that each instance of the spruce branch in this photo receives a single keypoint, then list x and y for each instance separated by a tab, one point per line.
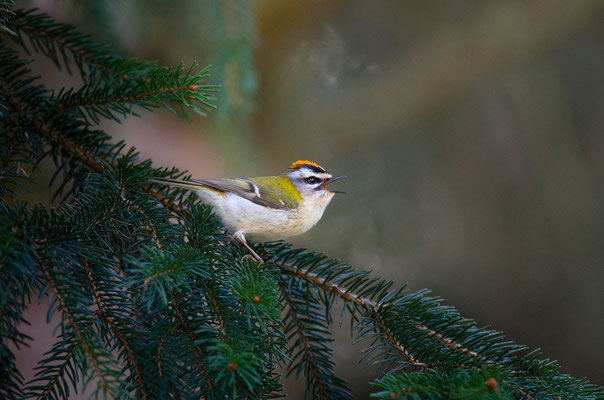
368	303
175	89
6	15
235	364
19	279
53	134
16	157
460	385
541	376
523	393
200	358
179	89
326	285
76	330
105	314
364	302
304	343
211	297
148	222
390	337
256	288
57	384
313	356
62	43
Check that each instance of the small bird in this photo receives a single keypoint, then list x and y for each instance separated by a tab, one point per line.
267	208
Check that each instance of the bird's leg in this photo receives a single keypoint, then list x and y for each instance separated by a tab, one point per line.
241	237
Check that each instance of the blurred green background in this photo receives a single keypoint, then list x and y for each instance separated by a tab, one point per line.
471	133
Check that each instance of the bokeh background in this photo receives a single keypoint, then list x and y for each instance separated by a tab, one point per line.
471	133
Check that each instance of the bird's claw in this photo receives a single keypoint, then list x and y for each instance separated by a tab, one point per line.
254	257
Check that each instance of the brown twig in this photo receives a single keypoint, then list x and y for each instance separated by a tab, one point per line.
191	335
304	342
118	333
54	380
331	287
74	326
70	147
212	300
398	345
155	276
520	391
165	201
148	222
159	349
127	99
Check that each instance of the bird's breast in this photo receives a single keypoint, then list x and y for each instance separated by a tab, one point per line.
265	224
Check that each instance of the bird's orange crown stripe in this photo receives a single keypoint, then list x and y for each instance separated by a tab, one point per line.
302	163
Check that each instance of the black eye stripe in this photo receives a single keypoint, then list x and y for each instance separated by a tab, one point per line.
312	180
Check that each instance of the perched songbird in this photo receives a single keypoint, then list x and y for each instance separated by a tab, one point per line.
266	208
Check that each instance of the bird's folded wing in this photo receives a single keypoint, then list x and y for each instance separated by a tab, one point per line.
257	190
273	192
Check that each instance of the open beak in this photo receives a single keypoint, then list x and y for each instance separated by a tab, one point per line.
327	182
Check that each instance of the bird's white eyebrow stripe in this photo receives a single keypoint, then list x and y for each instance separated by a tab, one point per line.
320	176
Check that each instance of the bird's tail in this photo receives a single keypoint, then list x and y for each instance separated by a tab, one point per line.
191	185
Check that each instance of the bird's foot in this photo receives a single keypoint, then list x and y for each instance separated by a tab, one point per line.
254	257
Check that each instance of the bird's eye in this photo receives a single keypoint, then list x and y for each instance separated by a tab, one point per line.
311	180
